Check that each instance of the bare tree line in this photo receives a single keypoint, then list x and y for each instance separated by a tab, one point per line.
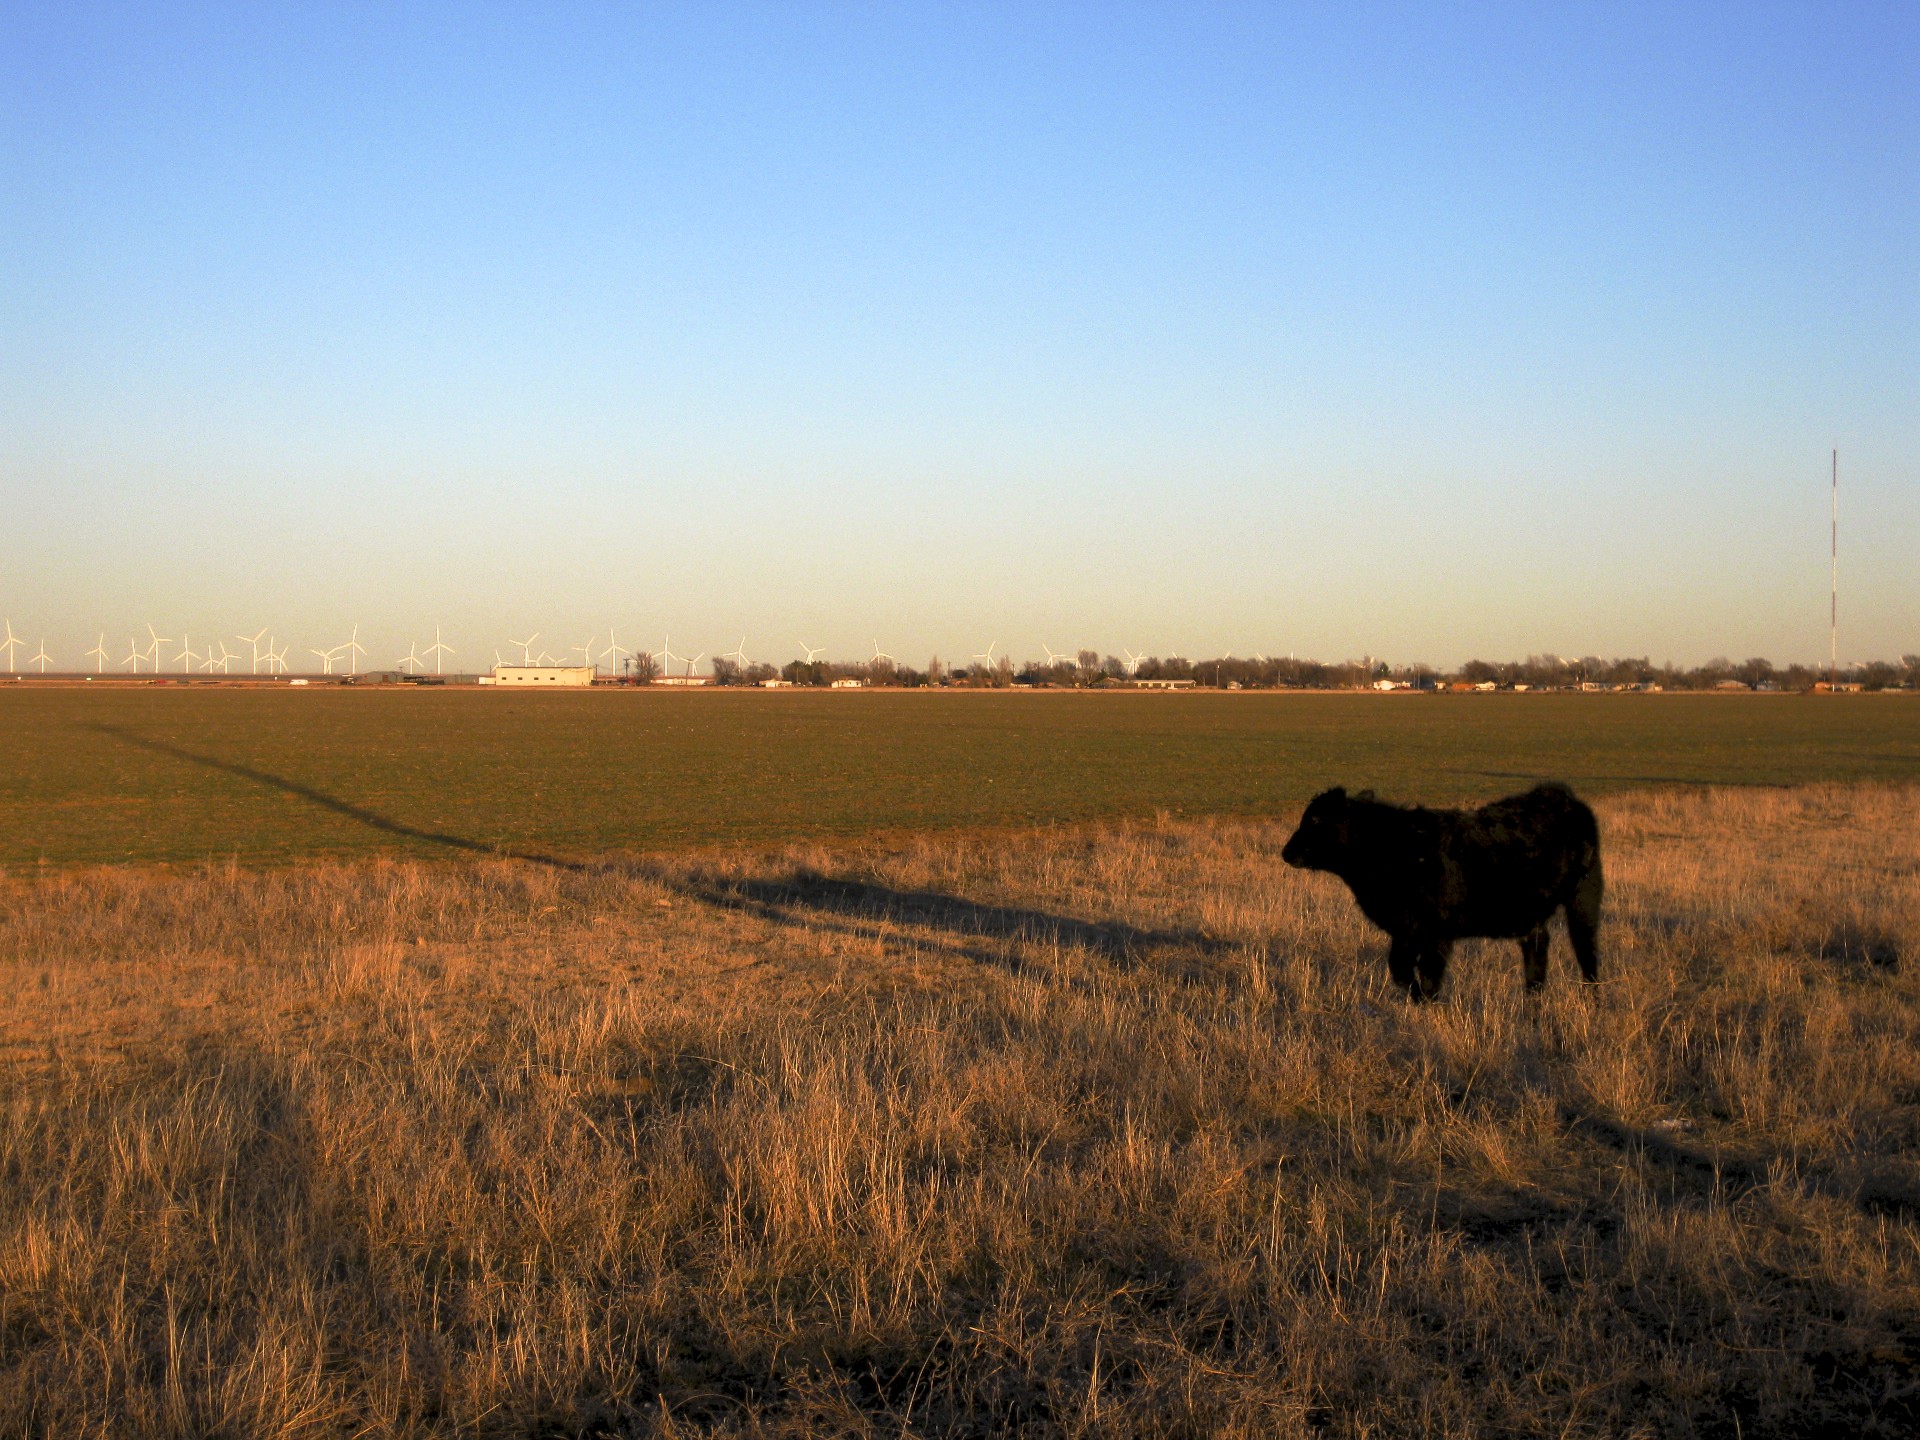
1090	669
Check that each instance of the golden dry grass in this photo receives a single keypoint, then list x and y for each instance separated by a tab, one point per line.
1090	1131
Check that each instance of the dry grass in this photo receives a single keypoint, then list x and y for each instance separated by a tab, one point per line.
1111	1131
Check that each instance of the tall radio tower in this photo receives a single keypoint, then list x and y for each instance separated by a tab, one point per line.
1833	595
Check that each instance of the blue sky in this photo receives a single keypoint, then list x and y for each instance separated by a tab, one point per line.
1425	333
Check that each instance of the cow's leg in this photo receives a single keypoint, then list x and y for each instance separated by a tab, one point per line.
1431	968
1533	953
1400	963
1583	922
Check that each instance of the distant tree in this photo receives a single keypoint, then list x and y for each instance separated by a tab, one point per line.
1911	665
1706	676
1543	672
936	672
727	672
1419	675
759	672
1627	671
1795	677
1878	675
643	668
1754	671
1476	671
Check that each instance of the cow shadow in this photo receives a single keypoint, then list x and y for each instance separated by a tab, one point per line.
958	924
1874	1188
973	929
1699	781
360	814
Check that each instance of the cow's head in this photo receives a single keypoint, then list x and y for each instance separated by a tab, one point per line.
1321	840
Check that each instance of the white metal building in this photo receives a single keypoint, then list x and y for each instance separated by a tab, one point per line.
543	675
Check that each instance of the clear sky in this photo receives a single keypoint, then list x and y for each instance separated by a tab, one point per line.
1428	332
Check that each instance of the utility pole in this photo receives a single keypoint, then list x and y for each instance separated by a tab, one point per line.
1833	596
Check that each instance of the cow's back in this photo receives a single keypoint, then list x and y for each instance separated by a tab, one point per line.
1516	861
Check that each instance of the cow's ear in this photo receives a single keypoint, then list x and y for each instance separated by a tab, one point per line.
1364	795
1338	792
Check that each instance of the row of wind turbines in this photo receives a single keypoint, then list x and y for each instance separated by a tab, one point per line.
264	656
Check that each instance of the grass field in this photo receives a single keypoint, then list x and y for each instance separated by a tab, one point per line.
88	777
1108	1130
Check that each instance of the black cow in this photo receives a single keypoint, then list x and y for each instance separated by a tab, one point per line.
1430	877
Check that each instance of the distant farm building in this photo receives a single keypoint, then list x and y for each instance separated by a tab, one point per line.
544	675
1163	684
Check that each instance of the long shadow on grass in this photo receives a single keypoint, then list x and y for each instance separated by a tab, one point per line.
372	819
1876	1189
805	897
1596	779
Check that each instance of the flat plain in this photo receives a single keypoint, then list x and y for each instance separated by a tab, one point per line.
171	774
415	1064
1108	1129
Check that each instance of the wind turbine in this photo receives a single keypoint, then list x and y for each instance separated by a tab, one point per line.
134	656
526	647
187	654
614	651
437	650
99	654
1053	659
226	659
276	659
695	661
354	650
254	640
879	655
738	654
812	650
327	657
410	658
9	643
158	641
988	657
42	658
586	651
1133	660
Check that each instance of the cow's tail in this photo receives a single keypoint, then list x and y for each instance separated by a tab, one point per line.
1583	905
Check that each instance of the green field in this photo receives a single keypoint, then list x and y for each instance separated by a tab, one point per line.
99	776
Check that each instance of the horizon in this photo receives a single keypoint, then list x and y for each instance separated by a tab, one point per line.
1428	337
610	659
